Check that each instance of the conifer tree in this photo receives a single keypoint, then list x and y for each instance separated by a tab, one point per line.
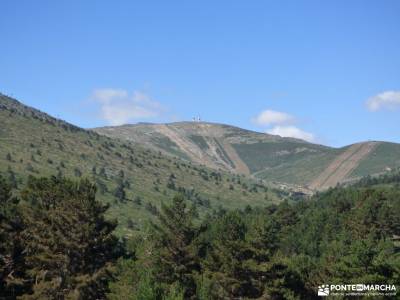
119	191
9	247
176	262
68	245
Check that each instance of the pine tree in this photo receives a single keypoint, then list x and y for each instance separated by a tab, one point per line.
9	248
119	191
227	264
12	179
176	263
8	156
68	245
103	173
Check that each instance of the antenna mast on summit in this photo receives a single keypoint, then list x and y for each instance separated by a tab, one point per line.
196	119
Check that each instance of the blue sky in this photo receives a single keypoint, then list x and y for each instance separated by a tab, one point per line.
327	71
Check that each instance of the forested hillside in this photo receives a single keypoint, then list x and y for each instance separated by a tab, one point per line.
344	235
56	244
132	179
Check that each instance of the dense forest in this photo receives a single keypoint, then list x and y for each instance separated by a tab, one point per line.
56	243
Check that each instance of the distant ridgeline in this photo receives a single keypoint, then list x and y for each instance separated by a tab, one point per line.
264	156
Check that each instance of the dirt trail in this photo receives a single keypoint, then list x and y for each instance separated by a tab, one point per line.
342	166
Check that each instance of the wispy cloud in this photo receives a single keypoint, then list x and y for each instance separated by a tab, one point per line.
107	95
270	117
281	124
385	100
292	131
118	107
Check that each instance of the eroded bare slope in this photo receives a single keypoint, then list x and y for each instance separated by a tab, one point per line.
338	170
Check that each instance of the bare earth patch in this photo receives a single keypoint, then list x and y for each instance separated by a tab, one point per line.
342	166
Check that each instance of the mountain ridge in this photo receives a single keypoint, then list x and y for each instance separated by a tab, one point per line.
260	155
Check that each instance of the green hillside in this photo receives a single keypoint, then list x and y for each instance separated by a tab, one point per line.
286	161
385	157
134	180
265	156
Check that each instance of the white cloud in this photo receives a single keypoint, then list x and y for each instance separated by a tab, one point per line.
119	107
283	124
388	100
272	117
292	131
108	95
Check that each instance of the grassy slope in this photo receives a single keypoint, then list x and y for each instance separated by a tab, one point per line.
38	144
268	157
300	171
286	161
385	155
